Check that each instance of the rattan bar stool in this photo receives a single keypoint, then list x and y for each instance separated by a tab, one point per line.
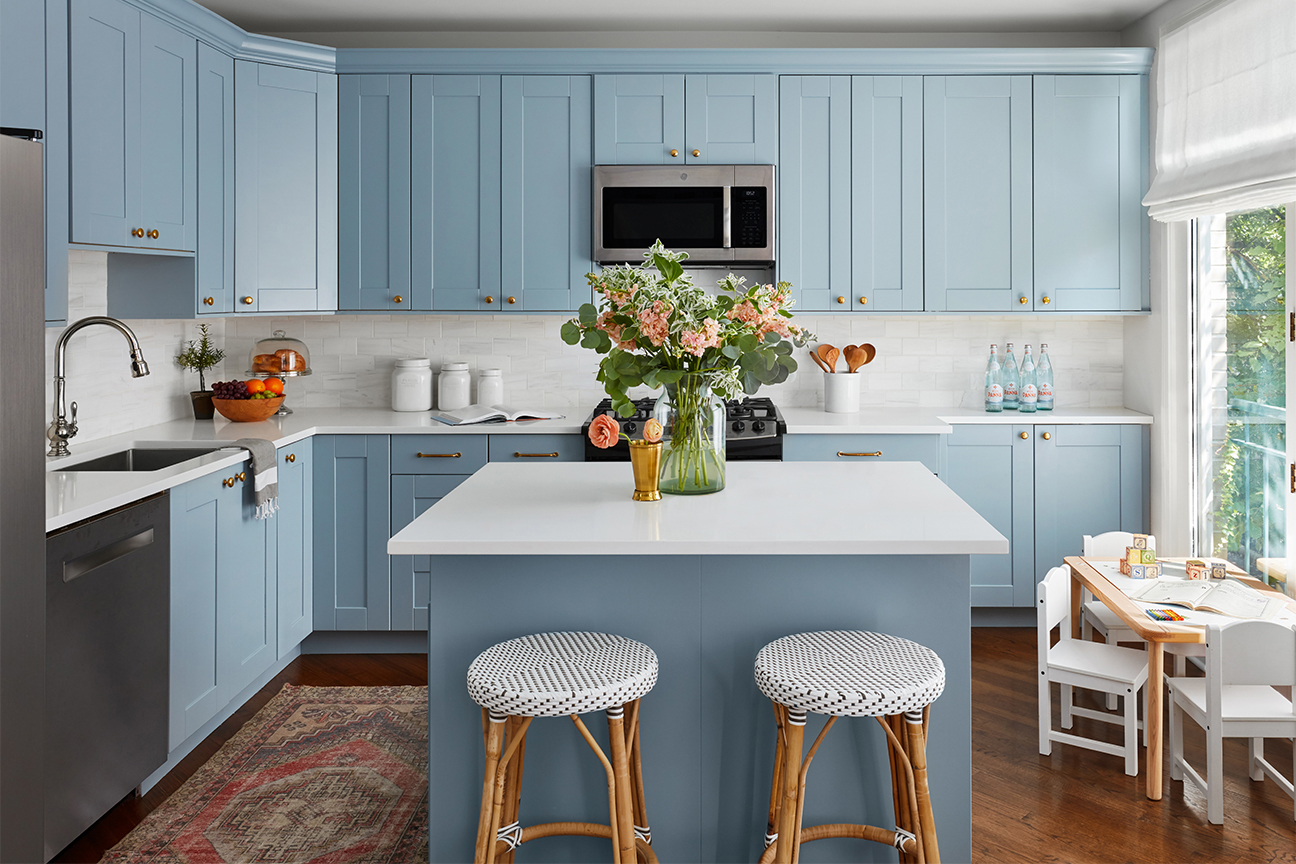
556	675
851	673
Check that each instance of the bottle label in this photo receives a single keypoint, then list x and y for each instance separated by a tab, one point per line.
1029	393
1045	391
994	393
1010	390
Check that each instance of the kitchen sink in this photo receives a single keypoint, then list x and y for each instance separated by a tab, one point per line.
142	459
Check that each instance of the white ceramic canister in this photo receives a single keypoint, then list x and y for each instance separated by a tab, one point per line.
452	387
841	392
412	384
490	387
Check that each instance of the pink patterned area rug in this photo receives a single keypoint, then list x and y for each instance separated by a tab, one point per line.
330	775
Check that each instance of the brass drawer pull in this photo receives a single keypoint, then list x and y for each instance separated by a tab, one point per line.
438	455
876	453
553	455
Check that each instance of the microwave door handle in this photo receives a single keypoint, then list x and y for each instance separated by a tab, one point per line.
728	211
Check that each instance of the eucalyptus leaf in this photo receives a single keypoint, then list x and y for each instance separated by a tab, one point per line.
588	314
571	333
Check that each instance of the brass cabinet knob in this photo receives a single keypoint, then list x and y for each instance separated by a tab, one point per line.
247	301
512	300
697	152
1045	300
398	299
1047	436
228	482
153	235
292	457
841	299
1022	300
674	152
137	232
208	301
241	476
1024	436
490	299
863	300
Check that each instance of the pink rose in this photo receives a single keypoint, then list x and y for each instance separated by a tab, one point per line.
652	431
604	431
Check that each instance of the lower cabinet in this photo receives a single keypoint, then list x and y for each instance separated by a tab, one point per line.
352	507
411	495
1044	488
864	448
296	544
223	578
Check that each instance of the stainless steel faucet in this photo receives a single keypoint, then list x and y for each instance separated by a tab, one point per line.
62	428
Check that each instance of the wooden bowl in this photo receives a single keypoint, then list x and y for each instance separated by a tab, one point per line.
247	410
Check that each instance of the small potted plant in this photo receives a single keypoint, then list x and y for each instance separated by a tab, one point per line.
199	357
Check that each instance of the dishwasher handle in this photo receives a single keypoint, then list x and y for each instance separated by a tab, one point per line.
76	567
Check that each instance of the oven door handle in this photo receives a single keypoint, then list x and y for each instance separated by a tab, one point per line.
728	217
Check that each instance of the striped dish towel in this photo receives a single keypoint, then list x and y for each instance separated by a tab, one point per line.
265	474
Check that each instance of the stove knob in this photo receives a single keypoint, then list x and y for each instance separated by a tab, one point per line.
758	426
631	427
739	425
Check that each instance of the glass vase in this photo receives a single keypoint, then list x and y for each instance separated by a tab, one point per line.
693	437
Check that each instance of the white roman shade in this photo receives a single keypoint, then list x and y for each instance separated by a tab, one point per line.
1226	111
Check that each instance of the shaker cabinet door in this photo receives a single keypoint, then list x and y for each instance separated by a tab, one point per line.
731	119
168	179
977	193
455	192
352	519
639	120
374	192
295	544
246	590
215	246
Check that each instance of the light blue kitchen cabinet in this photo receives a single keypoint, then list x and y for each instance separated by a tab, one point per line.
223	577
1088	480
374	192
731	119
215	249
1090	225
863	448
524	449
352	520
134	129
22	64
992	469
296	548
814	177
285	188
455	192
437	454
639	120
977	165
886	194
411	496
545	201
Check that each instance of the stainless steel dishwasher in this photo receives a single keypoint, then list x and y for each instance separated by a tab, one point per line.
107	647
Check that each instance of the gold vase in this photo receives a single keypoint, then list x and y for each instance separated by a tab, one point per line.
645	458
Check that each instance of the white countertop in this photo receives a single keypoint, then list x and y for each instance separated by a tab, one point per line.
584	508
939	421
1098	416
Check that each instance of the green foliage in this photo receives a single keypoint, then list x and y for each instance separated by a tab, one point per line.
201	356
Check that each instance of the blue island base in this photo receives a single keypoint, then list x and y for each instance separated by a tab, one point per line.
707	733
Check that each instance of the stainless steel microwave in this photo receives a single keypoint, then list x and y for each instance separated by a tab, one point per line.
716	213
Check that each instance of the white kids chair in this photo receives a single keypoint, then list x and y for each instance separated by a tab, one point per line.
1235	700
1092	665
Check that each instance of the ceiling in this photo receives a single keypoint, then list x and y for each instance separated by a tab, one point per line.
272	16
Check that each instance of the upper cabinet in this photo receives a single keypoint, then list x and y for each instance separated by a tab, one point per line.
1090	225
134	129
22	64
374	193
679	119
215	258
286	189
977	201
545	193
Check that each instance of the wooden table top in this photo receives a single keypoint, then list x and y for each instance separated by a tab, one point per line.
1132	614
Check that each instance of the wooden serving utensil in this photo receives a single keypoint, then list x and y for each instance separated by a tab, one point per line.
815	357
828	354
855	357
869	351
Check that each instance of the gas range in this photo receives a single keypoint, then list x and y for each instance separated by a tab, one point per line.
754	429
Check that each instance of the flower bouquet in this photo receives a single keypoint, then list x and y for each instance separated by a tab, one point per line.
660	330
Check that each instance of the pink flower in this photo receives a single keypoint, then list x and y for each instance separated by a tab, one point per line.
652	322
604	431
652	431
696	342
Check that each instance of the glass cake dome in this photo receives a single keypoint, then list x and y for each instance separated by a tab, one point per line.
280	356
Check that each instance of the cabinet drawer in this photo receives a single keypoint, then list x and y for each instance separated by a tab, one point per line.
537	448
882	448
437	485
437	454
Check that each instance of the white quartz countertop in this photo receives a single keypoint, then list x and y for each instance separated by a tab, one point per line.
938	421
766	508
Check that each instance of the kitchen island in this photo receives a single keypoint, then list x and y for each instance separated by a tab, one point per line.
706	581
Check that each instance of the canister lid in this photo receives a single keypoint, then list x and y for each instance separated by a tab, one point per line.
491	373
413	361
455	367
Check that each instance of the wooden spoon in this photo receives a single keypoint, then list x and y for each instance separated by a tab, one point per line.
818	362
869	351
829	355
822	353
855	357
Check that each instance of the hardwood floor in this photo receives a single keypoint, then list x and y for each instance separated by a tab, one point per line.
1074	806
313	670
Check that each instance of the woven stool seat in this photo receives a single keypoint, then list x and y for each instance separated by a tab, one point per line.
557	674
849	673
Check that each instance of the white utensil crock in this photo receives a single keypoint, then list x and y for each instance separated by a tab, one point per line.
841	392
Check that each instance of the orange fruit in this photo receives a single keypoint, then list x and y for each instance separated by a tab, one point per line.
274	385
256	385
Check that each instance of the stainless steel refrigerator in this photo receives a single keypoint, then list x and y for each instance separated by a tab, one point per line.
22	494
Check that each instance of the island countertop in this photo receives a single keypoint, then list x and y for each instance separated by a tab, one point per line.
766	508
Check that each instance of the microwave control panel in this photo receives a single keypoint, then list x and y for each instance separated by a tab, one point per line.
748	217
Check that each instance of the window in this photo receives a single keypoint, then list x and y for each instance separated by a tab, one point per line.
1240	382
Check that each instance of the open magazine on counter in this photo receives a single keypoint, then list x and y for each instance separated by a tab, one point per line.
490	414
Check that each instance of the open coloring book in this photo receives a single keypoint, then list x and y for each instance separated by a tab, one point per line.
1225	598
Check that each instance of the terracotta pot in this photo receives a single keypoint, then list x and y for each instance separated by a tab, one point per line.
247	410
202	404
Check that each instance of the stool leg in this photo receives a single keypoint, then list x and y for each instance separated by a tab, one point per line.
513	780
788	808
485	835
624	814
501	770
636	777
611	782
776	783
918	756
898	787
